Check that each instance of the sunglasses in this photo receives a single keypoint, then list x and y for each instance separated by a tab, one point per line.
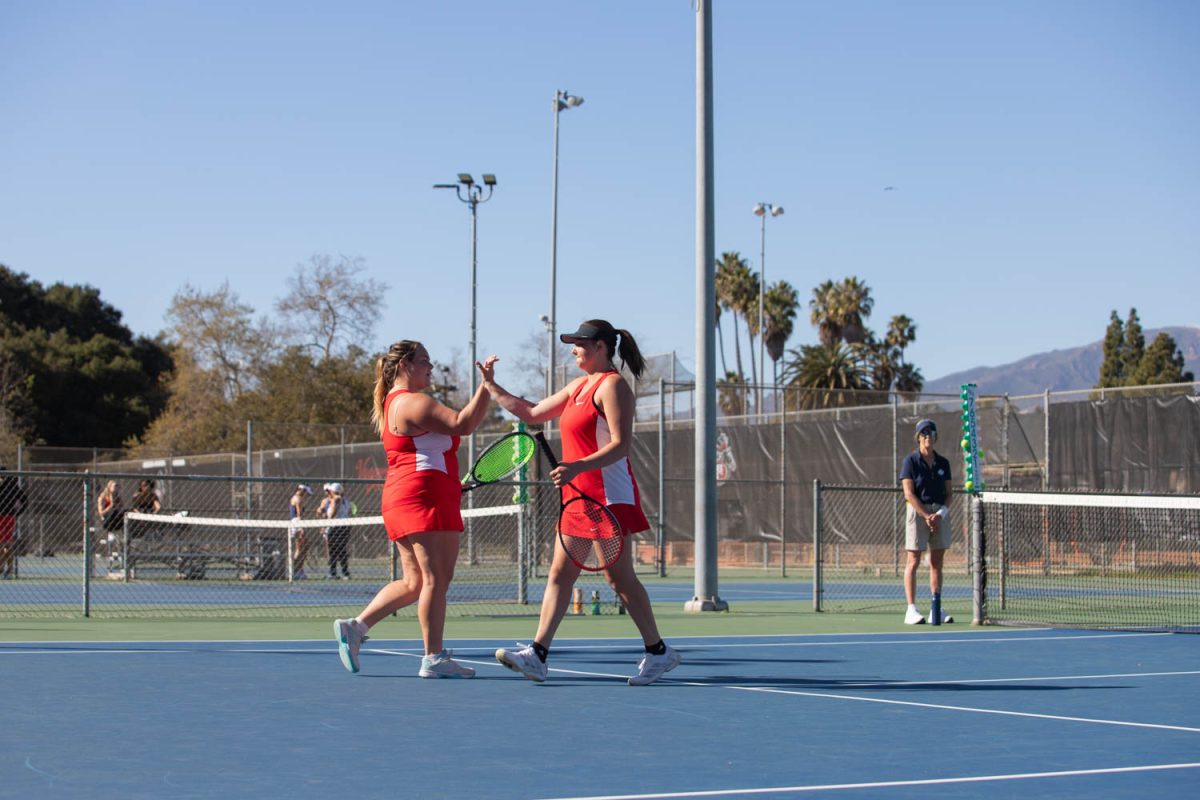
932	434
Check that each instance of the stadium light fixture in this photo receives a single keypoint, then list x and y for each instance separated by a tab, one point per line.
472	194
762	210
563	100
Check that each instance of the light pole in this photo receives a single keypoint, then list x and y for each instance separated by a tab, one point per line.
761	210
562	102
472	194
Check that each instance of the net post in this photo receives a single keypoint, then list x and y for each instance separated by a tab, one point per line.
661	530
521	497
979	545
125	573
87	547
291	566
817	587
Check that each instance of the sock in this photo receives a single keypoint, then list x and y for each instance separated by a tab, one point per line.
657	649
541	651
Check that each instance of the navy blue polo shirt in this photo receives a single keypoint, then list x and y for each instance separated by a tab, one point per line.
929	482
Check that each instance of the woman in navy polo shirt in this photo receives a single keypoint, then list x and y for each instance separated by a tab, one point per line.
925	476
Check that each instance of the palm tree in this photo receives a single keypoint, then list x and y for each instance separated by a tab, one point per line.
823	315
909	381
827	372
780	305
853	306
902	332
720	336
734	284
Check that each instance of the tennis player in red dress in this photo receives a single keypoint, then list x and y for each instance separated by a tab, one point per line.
596	420
420	504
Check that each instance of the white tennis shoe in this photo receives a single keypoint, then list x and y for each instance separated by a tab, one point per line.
442	665
350	634
913	617
652	667
524	661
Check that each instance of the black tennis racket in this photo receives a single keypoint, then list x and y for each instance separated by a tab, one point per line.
588	530
500	459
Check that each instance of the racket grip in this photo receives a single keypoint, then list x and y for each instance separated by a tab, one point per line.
545	448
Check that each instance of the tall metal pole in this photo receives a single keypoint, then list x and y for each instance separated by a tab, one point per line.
552	325
762	289
705	597
471	364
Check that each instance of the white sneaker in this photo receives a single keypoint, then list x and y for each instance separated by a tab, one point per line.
524	661
947	619
350	634
913	617
652	667
443	666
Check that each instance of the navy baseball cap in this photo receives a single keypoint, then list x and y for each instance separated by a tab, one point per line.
926	425
585	333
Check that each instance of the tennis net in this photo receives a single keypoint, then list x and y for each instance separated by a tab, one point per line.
1097	561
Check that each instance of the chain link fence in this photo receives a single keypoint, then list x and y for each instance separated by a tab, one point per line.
860	557
123	545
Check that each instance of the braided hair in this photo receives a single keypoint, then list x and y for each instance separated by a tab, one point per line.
386	368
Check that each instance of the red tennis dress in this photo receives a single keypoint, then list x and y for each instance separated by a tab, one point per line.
422	491
584	431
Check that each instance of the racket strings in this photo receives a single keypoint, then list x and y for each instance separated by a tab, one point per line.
590	534
503	458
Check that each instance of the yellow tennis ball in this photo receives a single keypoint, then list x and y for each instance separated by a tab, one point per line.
966	444
969	485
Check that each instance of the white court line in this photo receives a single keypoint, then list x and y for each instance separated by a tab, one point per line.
886	784
968	709
800	693
967	681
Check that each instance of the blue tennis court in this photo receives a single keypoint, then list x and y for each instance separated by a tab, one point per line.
955	712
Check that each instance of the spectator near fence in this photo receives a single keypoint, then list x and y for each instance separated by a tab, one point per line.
12	503
110	507
144	501
338	537
299	550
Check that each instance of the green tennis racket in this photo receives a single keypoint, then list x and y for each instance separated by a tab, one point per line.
500	460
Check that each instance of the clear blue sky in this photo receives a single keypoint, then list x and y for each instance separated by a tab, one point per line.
1045	156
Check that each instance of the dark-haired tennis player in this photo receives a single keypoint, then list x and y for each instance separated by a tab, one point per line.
596	419
420	503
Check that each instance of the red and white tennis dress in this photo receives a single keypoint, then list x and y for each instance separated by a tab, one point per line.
422	491
584	431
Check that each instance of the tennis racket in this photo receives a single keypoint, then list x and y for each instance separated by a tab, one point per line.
588	530
500	459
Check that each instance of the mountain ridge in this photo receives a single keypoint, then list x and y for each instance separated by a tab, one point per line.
1058	370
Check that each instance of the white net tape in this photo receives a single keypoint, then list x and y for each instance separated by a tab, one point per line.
293	524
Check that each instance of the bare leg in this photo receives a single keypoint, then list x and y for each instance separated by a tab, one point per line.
436	553
397	594
633	594
563	574
910	575
301	551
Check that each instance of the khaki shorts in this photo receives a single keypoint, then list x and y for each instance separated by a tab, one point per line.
916	532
